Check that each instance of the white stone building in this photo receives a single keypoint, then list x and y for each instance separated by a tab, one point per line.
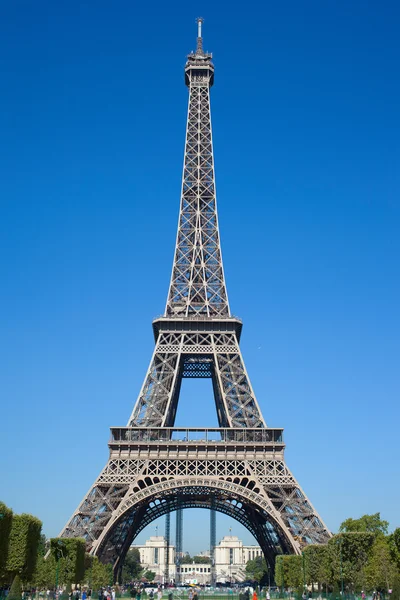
231	556
153	557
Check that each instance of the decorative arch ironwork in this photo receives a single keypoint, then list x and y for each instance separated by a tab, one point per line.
242	504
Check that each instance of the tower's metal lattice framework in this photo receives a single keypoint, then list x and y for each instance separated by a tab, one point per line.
238	468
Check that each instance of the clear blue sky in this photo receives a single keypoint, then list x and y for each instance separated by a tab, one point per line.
306	130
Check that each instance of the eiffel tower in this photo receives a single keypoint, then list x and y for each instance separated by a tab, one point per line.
155	468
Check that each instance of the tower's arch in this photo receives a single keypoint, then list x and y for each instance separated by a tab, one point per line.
232	497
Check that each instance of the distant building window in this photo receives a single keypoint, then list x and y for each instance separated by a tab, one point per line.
231	556
156	556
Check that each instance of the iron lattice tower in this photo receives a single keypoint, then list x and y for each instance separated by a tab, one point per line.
237	468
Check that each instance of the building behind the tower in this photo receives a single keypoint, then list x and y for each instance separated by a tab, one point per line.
231	556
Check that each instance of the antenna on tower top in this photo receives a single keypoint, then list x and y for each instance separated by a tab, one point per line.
199	49
200	21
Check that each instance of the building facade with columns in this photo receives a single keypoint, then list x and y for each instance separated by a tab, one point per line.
153	557
231	556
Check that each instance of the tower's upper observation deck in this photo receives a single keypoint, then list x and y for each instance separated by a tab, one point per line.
199	63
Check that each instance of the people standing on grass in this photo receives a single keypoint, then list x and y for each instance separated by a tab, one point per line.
255	595
267	595
159	593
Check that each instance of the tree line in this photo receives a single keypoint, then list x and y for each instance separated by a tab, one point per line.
362	557
29	561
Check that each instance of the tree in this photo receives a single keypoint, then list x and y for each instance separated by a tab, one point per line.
43	545
256	568
316	564
348	555
394	545
44	575
23	546
202	560
149	575
381	570
6	515
294	571
70	552
131	569
289	571
396	538
366	524
186	560
279	571
97	574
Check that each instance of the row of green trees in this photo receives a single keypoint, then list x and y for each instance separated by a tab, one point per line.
19	542
28	560
362	557
76	566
